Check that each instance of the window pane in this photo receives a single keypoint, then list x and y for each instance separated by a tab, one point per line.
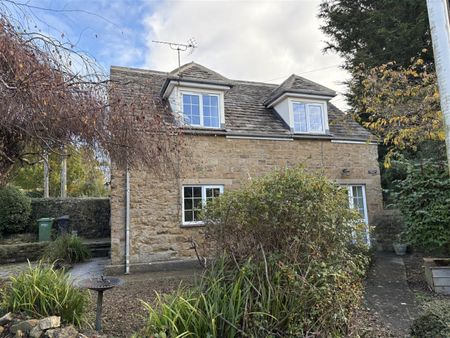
209	192
188	216
299	117
191	109
195	120
315	118
357	199
187	192
197	216
188	204
197	203
211	111
357	191
197	191
215	122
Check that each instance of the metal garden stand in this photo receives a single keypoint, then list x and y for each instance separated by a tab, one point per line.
100	285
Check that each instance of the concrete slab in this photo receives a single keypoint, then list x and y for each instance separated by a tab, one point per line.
95	267
387	293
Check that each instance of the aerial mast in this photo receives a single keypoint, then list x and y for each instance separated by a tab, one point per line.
180	47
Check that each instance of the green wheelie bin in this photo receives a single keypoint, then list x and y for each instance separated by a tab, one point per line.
45	228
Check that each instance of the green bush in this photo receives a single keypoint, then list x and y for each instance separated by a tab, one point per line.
424	200
42	291
67	248
15	210
284	264
303	215
263	298
434	321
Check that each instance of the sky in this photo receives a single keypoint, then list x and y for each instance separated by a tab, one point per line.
251	40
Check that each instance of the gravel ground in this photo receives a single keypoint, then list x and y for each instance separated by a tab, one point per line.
123	312
416	278
415	273
366	323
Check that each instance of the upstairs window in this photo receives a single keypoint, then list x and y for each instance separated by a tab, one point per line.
308	117
194	200
201	109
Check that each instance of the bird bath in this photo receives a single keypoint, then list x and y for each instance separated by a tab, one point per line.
100	284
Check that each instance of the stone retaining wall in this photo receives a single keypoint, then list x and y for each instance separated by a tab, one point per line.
90	217
13	253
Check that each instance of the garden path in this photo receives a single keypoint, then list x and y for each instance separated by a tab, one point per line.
387	293
12	269
91	268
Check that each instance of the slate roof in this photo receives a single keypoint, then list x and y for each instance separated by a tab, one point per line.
193	70
299	85
246	111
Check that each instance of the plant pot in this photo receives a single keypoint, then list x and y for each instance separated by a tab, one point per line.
400	248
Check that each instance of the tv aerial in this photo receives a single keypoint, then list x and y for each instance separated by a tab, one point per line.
180	47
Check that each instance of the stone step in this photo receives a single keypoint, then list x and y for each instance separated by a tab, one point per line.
99	248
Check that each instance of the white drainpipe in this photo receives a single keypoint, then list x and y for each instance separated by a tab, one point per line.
127	221
440	34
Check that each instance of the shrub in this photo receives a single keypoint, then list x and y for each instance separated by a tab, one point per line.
289	211
68	248
424	200
434	321
257	299
43	291
15	210
284	266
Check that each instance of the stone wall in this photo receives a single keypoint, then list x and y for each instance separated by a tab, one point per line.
156	232
12	253
90	217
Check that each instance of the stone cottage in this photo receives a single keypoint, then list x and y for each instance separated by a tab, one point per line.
235	130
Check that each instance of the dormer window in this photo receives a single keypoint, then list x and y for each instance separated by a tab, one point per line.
308	117
201	109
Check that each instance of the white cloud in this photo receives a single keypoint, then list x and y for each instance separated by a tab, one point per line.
251	40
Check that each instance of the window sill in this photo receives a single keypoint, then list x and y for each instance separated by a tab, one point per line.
310	133
193	225
194	127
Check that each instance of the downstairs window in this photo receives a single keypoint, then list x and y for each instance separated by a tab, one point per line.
195	197
357	201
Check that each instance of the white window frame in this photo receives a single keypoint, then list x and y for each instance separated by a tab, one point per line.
308	103
204	187
351	205
200	93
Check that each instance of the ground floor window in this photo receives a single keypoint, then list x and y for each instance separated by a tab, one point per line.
195	198
357	201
